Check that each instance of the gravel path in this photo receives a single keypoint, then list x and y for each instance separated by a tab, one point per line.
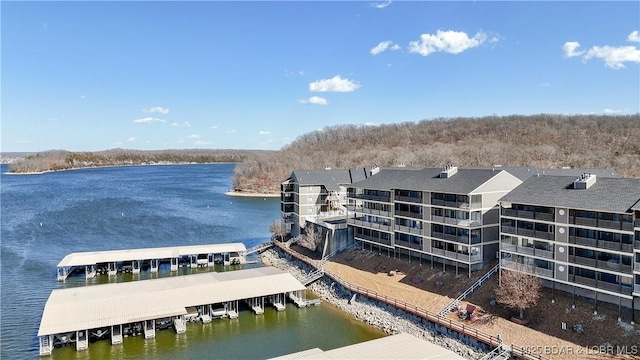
388	320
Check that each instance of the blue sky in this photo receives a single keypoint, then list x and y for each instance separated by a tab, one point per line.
85	76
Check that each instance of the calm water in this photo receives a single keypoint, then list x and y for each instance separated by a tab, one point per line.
45	217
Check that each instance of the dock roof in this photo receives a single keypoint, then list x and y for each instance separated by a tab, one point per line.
95	257
399	346
90	307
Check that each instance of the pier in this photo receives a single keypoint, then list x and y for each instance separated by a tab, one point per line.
72	316
133	260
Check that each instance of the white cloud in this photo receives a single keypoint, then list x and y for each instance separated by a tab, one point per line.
335	84
570	49
395	47
156	109
315	100
231	131
453	42
634	36
301	73
263	132
187	124
149	120
174	124
82	96
382	46
381	5
614	111
214	127
132	139
613	57
193	136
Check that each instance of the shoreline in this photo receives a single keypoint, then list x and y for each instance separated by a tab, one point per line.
251	194
108	166
390	321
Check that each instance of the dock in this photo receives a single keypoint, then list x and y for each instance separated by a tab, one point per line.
132	260
72	315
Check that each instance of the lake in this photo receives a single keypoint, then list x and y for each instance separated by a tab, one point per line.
44	217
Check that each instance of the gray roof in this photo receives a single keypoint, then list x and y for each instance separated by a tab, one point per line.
636	207
525	172
329	178
428	179
607	194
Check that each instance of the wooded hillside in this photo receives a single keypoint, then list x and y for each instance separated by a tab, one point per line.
544	141
62	160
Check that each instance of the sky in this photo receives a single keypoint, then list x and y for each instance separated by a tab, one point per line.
89	76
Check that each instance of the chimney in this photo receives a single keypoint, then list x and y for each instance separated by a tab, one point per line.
584	181
448	171
374	170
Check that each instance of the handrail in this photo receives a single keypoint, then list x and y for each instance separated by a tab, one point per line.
470	331
456	302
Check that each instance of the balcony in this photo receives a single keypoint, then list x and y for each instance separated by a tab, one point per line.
372	239
636	267
582	260
371	197
627	226
543	253
408	214
544	272
584	280
545	235
437	202
637	223
578	240
508	246
627	247
437	219
609	286
544	216
525	250
374	212
636	289
608	224
408	244
510	212
456	255
526	232
409	199
287	198
450	221
525	214
437	235
509	230
636	244
611	245
585	221
408	230
369	225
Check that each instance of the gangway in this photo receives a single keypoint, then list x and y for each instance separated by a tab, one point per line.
499	353
456	302
312	276
259	248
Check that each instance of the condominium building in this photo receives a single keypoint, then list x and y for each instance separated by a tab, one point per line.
316	194
448	215
578	234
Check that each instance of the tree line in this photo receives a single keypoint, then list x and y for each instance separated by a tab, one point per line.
543	141
55	160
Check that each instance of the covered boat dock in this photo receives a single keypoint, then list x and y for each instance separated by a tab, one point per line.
132	260
71	316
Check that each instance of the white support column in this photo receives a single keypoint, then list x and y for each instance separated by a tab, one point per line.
112	268
210	262
154	265
82	340
135	266
116	334
46	344
149	329
174	264
90	271
194	261
63	273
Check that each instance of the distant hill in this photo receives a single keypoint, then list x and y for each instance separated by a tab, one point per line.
55	160
543	141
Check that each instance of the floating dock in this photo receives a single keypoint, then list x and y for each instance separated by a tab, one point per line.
72	316
132	260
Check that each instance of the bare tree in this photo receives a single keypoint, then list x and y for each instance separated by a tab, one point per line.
311	238
278	229
518	289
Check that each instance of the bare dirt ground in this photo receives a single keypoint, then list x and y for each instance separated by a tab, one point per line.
433	289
